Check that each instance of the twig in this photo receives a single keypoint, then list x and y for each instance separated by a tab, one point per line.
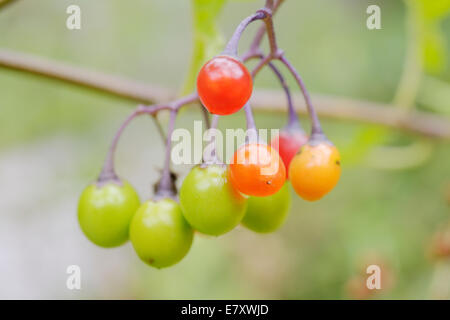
340	108
124	88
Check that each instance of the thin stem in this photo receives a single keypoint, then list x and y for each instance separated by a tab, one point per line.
232	45
316	127
292	115
258	38
260	65
177	104
205	114
215	121
251	126
262	30
108	172
251	54
164	188
270	32
252	133
293	122
212	158
159	127
249	117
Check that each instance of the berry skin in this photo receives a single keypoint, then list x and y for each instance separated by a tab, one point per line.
267	214
159	233
105	212
257	170
209	202
287	143
315	170
224	85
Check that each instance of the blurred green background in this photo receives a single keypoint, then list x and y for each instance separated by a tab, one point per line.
392	198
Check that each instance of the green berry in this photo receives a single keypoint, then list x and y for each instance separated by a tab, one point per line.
266	214
159	233
105	212
209	202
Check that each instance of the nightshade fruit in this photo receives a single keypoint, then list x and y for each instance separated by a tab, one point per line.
315	170
159	233
224	85
267	214
257	170
105	212
209	202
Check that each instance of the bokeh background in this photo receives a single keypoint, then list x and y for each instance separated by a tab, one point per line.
388	209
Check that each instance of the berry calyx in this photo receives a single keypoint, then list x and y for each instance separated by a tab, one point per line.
209	202
287	143
224	85
159	233
257	170
105	211
267	214
315	169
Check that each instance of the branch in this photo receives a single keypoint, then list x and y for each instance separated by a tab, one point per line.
124	88
339	108
417	122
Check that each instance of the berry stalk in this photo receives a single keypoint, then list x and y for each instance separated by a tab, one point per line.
211	158
232	45
293	122
316	129
262	31
108	172
165	187
270	30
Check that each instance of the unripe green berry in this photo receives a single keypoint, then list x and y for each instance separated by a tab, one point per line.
209	202
159	233
105	212
267	214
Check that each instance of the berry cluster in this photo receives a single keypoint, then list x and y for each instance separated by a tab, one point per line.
214	197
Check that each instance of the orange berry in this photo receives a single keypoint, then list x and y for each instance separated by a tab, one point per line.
257	170
315	170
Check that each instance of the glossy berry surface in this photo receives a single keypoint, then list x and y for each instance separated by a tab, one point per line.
105	212
287	143
159	233
315	170
224	85
267	214
257	170
209	202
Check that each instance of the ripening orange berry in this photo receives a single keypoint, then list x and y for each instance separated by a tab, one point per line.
257	170
315	170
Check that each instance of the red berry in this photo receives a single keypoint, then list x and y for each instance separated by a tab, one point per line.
224	85
287	143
